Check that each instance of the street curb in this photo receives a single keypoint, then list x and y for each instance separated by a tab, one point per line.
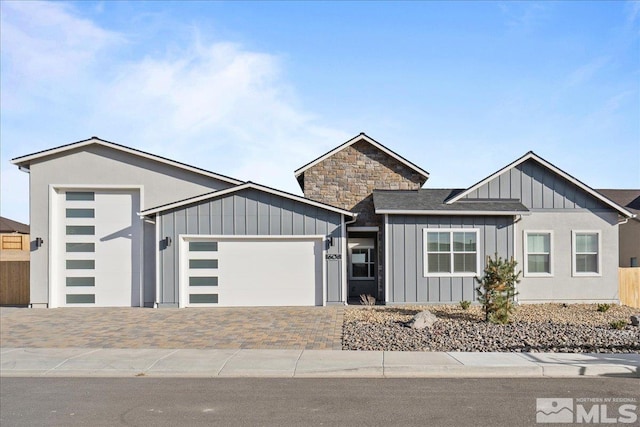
213	363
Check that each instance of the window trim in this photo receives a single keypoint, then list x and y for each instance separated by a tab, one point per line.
425	252
525	248
372	252
575	273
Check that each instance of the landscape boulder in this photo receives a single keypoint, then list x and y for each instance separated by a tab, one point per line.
424	319
635	320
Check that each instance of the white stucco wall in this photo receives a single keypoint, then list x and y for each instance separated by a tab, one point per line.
563	285
102	166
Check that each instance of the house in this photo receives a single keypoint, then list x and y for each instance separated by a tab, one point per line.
629	233
14	240
14	263
117	226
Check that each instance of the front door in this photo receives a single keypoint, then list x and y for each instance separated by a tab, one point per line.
362	268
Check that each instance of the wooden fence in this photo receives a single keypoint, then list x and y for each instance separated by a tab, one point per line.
629	286
14	283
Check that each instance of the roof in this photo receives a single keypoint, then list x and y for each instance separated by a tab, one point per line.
246	185
10	226
628	198
433	202
548	165
363	137
24	161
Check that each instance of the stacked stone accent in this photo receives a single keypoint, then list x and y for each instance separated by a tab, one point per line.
347	179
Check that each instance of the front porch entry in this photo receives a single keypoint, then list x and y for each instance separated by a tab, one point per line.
362	265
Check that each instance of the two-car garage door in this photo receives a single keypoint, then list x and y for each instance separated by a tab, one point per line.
251	271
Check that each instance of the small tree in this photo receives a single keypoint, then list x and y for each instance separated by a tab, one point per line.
498	288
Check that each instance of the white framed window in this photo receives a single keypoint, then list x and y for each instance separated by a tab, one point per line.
451	252
538	253
586	249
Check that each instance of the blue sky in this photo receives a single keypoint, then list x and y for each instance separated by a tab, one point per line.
255	90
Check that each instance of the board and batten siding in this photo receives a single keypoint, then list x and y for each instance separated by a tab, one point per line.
558	206
537	188
248	213
406	254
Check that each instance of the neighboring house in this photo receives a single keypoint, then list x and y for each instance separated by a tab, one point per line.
630	230
14	263
121	227
14	240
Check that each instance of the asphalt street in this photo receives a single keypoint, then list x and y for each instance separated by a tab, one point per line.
292	402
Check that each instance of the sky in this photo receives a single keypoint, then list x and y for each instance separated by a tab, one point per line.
255	90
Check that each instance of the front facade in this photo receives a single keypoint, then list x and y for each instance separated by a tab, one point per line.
116	226
563	235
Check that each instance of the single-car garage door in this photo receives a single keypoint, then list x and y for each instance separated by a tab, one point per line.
251	271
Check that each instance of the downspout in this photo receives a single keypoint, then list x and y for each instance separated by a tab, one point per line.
627	219
517	219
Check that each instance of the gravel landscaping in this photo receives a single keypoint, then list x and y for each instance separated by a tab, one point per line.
571	328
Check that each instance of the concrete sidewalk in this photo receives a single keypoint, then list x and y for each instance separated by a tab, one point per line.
101	362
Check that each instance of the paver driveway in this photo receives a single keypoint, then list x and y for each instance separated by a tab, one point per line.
315	328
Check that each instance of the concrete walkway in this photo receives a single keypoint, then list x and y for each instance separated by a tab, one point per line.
207	363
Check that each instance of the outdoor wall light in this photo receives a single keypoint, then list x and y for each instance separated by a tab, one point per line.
39	242
167	241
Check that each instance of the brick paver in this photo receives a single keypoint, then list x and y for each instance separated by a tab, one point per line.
317	328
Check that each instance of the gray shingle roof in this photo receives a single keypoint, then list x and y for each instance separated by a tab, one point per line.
629	199
433	200
10	226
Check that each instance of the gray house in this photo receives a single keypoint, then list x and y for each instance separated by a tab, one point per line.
115	226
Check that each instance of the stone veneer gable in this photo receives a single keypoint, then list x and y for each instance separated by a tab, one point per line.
347	179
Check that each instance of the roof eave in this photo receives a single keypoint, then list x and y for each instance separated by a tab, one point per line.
448	212
246	185
24	161
373	142
532	155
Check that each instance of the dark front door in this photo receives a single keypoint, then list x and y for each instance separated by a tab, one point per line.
362	267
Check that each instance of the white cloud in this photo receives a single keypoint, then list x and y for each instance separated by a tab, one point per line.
46	50
214	104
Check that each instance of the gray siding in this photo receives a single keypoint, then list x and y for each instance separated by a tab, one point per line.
101	166
246	213
406	256
537	188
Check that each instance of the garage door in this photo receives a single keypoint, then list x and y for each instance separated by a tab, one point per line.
251	272
98	243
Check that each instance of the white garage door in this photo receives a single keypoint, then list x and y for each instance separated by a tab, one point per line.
252	271
98	243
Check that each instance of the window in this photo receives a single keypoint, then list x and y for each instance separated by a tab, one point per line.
12	242
537	255
586	253
81	230
363	263
80	213
203	246
451	252
79	196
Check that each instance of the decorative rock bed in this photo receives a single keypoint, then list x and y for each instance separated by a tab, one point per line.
573	328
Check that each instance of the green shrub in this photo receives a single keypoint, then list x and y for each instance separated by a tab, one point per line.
603	307
497	289
618	324
465	305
